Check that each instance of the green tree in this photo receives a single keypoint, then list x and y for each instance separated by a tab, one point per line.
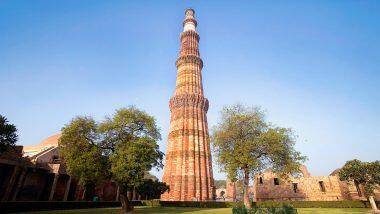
366	174
121	148
245	144
150	189
220	184
82	156
8	135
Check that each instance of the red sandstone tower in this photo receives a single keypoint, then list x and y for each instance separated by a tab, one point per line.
188	168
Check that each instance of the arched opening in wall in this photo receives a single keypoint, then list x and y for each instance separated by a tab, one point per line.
261	180
221	195
109	191
322	186
5	176
33	185
276	181
74	187
47	187
60	187
295	187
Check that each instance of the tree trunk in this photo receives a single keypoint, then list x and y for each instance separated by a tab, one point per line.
126	206
247	203
373	204
84	194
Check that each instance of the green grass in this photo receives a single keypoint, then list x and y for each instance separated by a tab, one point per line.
333	210
148	210
189	210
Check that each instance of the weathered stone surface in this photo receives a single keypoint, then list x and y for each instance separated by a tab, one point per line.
308	188
230	190
188	166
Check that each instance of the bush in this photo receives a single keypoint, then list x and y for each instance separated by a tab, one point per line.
151	203
265	210
28	206
266	204
198	204
313	204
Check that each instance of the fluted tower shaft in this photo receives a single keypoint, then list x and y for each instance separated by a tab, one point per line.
188	166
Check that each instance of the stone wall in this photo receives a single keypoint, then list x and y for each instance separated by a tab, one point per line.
43	178
268	186
230	190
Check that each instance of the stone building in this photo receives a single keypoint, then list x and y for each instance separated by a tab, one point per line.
234	191
268	186
231	190
35	173
188	167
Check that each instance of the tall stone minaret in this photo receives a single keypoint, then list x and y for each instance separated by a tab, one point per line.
188	166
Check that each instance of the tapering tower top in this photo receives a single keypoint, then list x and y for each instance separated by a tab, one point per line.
189	12
189	23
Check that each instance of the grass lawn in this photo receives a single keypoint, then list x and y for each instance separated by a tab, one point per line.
332	210
158	210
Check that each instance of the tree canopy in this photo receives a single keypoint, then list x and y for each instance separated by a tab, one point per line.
122	148
220	184
246	144
364	173
8	135
151	189
81	153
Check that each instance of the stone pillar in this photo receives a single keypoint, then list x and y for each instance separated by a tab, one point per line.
52	191
67	190
19	184
10	184
231	190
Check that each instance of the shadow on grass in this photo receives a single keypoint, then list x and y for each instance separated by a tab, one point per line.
139	210
188	210
151	210
333	210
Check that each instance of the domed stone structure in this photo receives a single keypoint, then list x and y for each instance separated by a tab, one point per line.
50	142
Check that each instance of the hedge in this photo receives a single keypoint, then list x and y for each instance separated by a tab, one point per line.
295	204
22	206
265	210
200	204
316	204
27	206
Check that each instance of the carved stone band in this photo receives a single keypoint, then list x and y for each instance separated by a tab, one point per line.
190	20
189	59
188	132
192	100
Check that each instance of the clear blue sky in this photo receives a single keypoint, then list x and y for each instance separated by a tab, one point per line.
313	65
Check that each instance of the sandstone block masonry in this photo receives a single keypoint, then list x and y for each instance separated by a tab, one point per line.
188	166
268	186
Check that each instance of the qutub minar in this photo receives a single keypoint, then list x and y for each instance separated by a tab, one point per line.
188	167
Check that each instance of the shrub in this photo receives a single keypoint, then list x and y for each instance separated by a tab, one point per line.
296	204
198	204
312	204
265	210
267	204
151	203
